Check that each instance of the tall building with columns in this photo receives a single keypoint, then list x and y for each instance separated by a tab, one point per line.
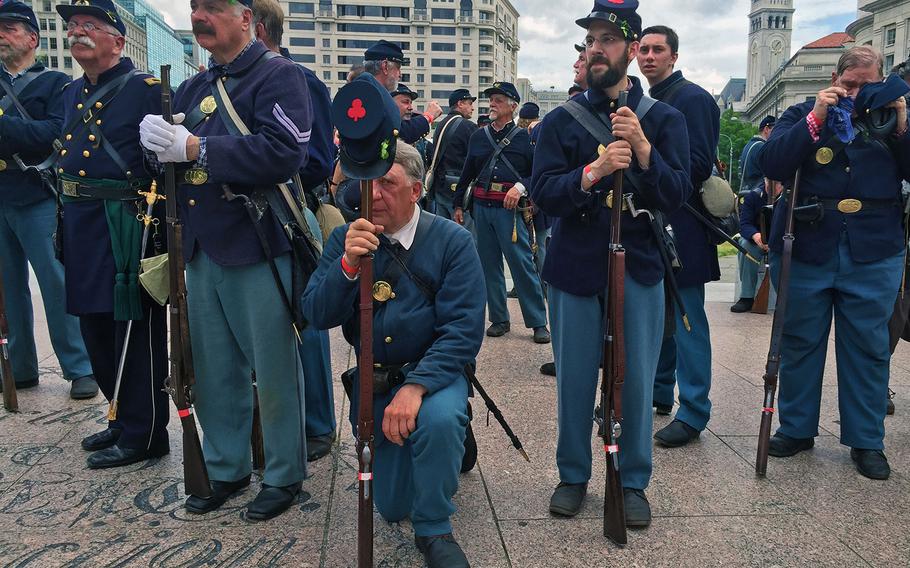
770	31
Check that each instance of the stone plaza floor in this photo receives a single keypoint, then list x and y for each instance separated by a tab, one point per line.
709	508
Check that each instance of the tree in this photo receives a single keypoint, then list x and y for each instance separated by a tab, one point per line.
734	128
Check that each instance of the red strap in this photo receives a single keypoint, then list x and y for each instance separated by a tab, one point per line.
768	409
348	269
611	448
368	476
184	412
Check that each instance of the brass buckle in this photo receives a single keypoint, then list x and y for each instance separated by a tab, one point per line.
849	205
88	116
70	188
496	187
608	201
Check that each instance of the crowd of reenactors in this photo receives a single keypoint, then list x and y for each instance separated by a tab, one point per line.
79	160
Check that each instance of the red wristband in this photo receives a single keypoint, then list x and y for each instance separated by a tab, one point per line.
350	271
589	175
429	117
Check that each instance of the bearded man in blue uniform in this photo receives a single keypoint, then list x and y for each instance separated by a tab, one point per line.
101	171
424	335
238	271
570	182
848	254
685	357
28	219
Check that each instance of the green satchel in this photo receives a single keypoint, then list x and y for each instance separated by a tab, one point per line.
153	275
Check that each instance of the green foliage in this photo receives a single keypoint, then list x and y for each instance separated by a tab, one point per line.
735	127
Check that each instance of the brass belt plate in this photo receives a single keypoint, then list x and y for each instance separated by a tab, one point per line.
196	176
70	188
208	105
382	291
824	155
849	205
2	165
608	201
496	187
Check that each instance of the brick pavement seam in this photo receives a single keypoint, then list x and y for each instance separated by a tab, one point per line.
486	490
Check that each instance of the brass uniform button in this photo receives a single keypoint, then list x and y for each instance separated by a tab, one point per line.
60	171
85	153
69	136
79	106
85	91
129	173
98	122
192	202
388	340
2	165
847	169
91	137
63	152
98	104
82	173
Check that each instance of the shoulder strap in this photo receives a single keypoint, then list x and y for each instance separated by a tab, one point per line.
424	222
486	173
442	142
12	92
745	160
671	93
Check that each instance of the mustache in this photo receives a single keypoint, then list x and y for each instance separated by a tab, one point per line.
598	59
84	40
203	28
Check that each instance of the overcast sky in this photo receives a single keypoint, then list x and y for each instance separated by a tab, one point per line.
712	33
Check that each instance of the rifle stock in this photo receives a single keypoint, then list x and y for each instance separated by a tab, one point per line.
613	375
365	403
760	304
10	399
182	378
256	441
772	366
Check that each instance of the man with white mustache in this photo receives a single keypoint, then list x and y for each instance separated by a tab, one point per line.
100	170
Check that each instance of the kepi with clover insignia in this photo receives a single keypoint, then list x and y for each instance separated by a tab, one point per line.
368	121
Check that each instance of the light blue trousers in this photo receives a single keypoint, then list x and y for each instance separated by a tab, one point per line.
26	237
578	335
685	358
494	240
861	298
419	479
239	324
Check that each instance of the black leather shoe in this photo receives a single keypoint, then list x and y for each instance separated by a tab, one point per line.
548	369
783	446
890	409
101	440
743	305
319	446
513	293
567	499
871	463
663	409
541	335
23	385
676	434
498	329
115	456
441	551
83	388
272	501
638	510
221	492
469	460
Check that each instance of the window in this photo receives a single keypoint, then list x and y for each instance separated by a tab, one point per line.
47	6
440	94
374	28
327	76
326	59
890	37
44	43
54	43
68	62
405	77
443	13
303	57
350	59
300	8
298	25
443	46
421	30
325	27
53	61
442	31
465	79
466	63
343	76
466	32
486	49
420	61
420	46
889	61
327	43
389	12
466	48
442	78
303	42
442	62
420	77
366	43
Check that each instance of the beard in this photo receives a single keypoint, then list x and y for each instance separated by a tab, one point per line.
610	77
10	53
84	40
390	83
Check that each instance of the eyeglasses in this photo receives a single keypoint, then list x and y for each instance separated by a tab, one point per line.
604	40
87	27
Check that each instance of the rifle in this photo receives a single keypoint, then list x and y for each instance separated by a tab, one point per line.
10	400
719	232
256	441
492	408
365	402
182	378
772	367
760	304
614	363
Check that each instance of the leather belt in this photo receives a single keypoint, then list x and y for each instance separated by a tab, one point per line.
497	187
850	205
79	190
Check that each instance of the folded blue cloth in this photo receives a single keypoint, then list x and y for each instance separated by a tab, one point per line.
839	120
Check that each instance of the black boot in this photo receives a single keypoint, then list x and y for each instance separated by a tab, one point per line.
498	329
871	463
221	492
568	498
469	460
102	440
783	446
319	446
272	501
638	510
743	305
676	434
441	551
548	369
116	456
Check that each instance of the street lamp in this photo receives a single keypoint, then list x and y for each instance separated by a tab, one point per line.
730	162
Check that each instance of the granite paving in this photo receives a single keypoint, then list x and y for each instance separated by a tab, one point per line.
709	507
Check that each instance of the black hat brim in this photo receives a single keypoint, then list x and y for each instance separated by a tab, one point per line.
19	18
495	91
374	170
67	11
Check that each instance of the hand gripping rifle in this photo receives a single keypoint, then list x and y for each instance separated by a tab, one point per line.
772	367
365	406
182	378
614	363
10	401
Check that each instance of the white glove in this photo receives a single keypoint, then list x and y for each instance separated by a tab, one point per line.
168	141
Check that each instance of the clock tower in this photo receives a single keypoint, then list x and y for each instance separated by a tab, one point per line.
770	30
